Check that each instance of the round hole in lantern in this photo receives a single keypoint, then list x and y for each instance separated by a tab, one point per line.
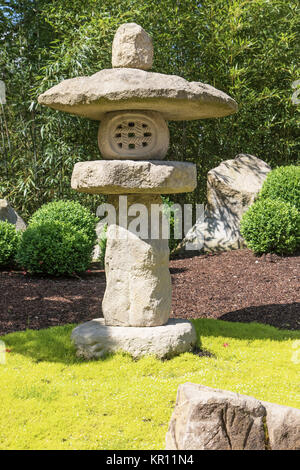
136	135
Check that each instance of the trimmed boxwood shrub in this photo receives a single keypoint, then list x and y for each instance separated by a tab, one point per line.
9	239
54	247
71	212
271	226
283	183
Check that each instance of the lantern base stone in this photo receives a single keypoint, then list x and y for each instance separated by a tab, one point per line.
94	339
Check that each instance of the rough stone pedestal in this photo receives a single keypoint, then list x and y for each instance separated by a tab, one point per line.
94	339
138	283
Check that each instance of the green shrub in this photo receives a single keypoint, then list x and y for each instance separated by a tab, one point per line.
283	183
70	212
9	239
271	226
54	247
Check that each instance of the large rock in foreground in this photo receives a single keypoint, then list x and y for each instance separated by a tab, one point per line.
209	419
94	339
231	188
283	423
7	213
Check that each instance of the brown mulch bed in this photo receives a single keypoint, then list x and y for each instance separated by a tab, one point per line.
232	286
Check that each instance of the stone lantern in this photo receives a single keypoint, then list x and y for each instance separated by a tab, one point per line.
133	107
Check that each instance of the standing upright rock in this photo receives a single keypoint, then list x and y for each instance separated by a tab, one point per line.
231	188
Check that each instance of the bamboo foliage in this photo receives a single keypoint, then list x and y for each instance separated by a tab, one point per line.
249	49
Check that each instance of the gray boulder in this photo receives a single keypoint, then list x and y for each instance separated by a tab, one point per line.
231	188
7	213
209	419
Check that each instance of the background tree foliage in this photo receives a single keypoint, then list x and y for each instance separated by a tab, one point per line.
249	49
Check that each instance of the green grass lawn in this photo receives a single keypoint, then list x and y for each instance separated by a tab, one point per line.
52	400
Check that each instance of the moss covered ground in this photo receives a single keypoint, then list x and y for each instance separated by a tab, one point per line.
50	399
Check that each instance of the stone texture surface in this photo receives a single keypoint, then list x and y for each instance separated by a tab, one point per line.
126	176
283	423
231	188
133	135
94	339
138	282
10	215
209	419
132	47
132	89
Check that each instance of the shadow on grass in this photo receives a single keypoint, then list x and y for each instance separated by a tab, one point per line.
49	345
284	316
54	344
243	331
